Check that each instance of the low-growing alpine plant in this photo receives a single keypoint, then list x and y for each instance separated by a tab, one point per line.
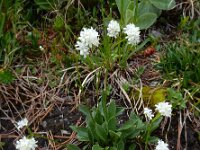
26	142
115	46
102	130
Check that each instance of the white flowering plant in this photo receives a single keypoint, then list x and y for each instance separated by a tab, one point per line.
26	142
114	46
102	130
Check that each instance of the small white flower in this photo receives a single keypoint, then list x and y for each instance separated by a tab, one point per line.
41	48
161	145
89	37
148	113
133	34
164	108
113	29
26	144
22	123
83	48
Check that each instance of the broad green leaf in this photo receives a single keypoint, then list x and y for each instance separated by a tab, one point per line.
91	130
112	148
153	139
92	135
129	17
111	110
130	13
122	6
155	123
146	20
85	110
163	4
128	125
120	145
97	116
101	132
112	121
114	135
97	147
72	147
146	7
82	133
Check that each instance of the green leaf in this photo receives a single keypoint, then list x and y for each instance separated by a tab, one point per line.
119	111
85	110
97	147
97	115
133	127
112	148
129	16
92	134
126	126
120	145
72	147
130	13
2	22
146	20
46	4
163	4
155	123
82	133
112	121
114	136
152	139
146	7
111	110
122	6
101	132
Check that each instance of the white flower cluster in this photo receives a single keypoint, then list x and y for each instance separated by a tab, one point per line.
26	144
133	34
90	37
164	108
161	145
113	29
20	124
87	39
148	113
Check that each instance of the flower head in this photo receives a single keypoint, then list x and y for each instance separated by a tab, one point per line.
26	144
22	123
113	29
89	37
83	48
161	145
41	48
148	113
164	108
133	34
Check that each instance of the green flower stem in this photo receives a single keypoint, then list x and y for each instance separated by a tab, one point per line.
148	130
136	10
